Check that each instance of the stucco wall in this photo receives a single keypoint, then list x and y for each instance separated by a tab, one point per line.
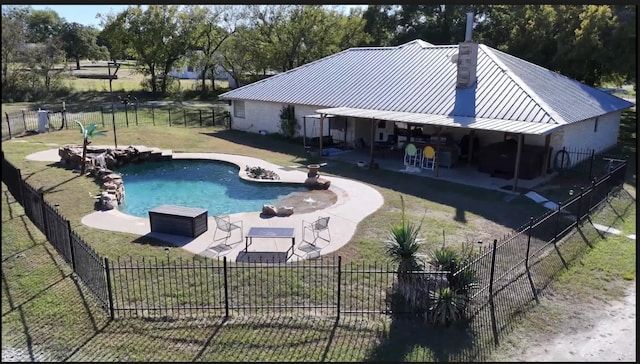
260	115
582	135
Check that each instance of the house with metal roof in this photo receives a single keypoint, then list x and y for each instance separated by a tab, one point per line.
440	95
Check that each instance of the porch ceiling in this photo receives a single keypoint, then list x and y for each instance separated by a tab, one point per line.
507	126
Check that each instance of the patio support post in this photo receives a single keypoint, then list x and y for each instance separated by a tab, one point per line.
472	134
344	143
437	166
304	131
321	132
547	152
373	135
516	169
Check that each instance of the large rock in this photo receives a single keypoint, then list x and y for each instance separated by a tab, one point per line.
269	210
317	183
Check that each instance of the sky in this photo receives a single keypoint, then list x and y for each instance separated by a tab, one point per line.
86	14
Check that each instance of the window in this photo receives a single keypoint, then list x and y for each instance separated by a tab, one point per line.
238	109
190	69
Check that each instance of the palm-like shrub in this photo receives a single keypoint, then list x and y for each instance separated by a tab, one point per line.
447	306
403	246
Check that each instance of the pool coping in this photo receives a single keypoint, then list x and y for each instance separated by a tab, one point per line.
355	201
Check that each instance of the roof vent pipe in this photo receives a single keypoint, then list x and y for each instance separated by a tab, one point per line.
467	35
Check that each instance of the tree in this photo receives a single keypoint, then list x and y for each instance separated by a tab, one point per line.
216	24
13	37
239	57
381	24
42	60
43	25
157	37
79	41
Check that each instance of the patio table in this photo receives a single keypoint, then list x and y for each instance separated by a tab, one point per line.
270	232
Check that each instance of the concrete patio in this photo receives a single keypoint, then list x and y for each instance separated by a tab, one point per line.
355	201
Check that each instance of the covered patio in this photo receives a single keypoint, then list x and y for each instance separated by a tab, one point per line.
382	155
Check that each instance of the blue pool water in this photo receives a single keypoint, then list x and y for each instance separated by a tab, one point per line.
210	185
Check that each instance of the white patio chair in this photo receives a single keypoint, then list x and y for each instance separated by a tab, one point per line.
316	228
224	224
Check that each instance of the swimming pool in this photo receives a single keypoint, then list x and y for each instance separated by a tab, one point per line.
210	185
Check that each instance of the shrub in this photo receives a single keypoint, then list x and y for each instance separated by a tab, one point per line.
288	124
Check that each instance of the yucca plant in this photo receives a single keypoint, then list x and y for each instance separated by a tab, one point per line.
447	306
444	258
403	246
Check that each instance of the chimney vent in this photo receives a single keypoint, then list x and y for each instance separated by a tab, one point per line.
469	30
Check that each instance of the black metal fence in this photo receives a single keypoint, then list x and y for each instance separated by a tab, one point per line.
510	273
123	116
583	163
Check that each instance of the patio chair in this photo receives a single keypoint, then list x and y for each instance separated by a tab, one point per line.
224	224
411	155
316	228
428	158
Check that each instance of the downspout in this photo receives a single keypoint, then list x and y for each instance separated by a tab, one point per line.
373	134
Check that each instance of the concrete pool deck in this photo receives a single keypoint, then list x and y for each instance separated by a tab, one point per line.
355	201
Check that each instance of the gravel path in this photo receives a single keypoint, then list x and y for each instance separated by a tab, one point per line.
611	338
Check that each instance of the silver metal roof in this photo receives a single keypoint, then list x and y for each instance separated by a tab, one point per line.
419	78
509	126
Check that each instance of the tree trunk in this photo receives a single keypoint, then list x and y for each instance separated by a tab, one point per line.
78	63
204	80
154	88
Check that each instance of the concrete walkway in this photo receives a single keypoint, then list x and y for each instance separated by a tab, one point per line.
355	201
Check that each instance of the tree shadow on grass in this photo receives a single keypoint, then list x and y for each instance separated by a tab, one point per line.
410	339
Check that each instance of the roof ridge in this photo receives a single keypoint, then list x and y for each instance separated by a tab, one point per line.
520	83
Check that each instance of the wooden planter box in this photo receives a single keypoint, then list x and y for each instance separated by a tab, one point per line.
178	220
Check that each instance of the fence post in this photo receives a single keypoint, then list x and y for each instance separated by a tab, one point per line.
109	289
226	287
44	216
200	112
135	108
213	116
526	261
8	124
339	289
494	323
169	116
24	120
555	235
71	248
126	113
64	117
593	157
102	115
153	116
184	113
593	190
579	218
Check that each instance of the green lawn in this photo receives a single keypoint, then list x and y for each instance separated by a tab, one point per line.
48	316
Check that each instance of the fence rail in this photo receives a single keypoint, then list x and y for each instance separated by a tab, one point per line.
509	273
24	121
